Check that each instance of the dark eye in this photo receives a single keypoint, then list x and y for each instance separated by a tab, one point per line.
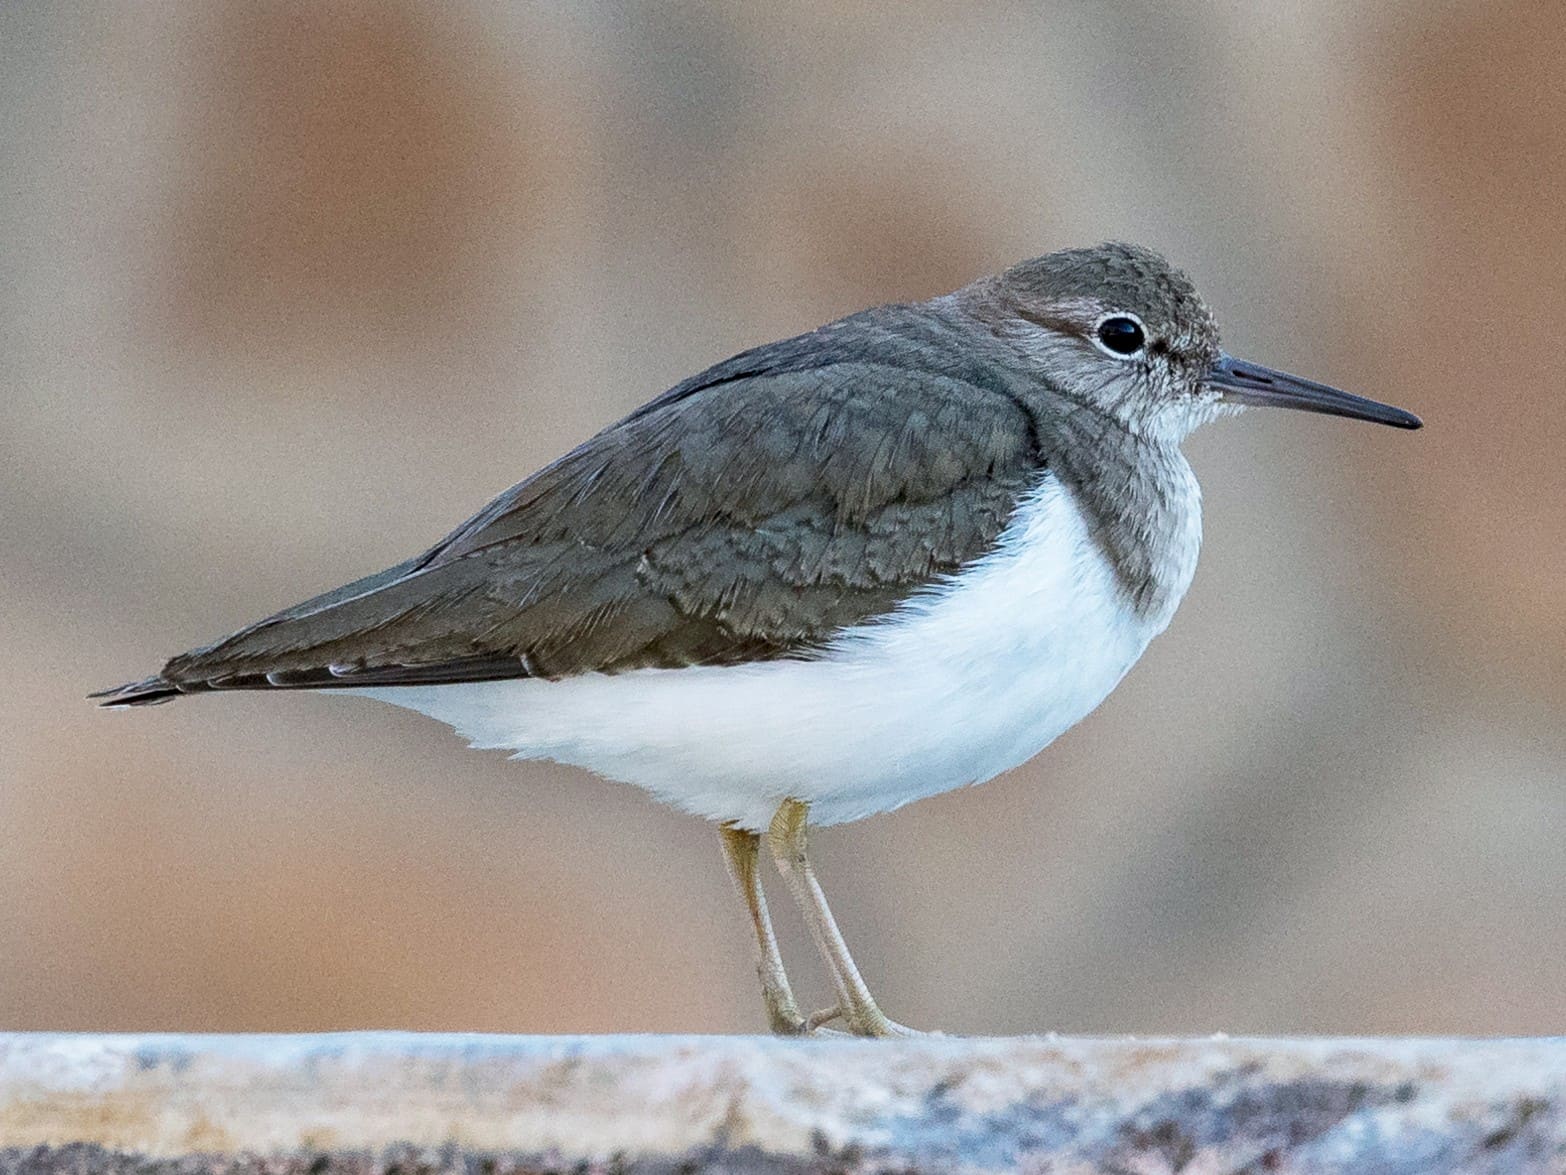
1121	335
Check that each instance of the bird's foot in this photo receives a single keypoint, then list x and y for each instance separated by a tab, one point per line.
877	1023
867	1020
783	1016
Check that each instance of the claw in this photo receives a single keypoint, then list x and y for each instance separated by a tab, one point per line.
783	1016
784	1026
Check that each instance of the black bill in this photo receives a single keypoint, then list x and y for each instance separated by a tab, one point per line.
1251	383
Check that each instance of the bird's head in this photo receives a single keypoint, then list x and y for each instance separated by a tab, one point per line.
1117	327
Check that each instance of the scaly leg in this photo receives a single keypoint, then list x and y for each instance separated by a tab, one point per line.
786	839
741	850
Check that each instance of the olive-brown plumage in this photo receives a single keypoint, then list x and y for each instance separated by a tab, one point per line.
747	518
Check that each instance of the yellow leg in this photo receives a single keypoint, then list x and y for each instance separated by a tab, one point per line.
741	850
786	839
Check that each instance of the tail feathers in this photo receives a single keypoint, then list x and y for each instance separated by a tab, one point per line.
238	676
152	692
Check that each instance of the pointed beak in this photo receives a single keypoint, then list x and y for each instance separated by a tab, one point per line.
1251	383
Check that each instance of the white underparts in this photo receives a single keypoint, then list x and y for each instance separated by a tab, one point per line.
960	683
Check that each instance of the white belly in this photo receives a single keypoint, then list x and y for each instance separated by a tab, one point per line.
959	684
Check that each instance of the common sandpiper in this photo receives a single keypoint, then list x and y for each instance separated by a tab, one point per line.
896	555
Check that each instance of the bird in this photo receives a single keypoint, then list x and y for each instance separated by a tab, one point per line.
896	555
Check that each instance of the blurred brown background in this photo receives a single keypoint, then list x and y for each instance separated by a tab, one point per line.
288	290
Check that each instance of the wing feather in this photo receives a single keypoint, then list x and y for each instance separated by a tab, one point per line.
748	513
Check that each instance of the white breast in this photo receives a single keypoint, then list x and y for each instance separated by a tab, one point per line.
959	684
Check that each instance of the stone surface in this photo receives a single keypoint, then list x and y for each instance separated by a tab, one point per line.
368	1102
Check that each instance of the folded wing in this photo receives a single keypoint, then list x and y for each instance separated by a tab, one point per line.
749	513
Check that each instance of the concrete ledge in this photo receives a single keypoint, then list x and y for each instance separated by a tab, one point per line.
368	1102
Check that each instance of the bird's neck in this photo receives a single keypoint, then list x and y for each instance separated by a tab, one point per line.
1144	505
1135	486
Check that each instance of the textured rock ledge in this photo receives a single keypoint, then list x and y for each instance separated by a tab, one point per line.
366	1102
